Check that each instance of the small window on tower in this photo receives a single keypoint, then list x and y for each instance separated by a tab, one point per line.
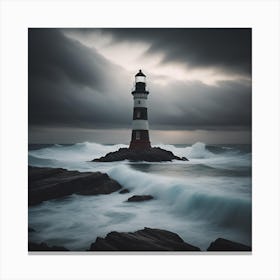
138	114
139	102
137	135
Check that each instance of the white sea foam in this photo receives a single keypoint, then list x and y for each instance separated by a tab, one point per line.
197	150
77	152
88	151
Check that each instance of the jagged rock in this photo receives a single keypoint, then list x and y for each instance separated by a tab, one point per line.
150	155
147	239
139	198
222	244
44	247
50	183
124	191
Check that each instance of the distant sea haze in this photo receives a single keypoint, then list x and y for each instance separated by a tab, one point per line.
207	197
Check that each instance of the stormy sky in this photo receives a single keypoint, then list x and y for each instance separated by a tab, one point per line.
80	82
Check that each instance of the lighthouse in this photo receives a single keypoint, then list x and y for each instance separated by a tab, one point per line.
140	126
140	147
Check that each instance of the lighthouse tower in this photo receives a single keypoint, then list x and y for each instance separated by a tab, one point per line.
140	127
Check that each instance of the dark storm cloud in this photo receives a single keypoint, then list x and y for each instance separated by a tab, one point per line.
71	85
225	48
54	57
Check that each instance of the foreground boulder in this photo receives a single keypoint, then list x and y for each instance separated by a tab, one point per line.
222	244
139	198
150	155
44	247
50	183
147	239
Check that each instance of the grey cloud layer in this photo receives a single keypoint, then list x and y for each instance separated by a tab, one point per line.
72	85
225	48
198	105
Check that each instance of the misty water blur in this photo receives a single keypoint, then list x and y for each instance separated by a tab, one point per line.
201	199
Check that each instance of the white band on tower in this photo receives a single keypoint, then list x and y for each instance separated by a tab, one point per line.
140	103
140	125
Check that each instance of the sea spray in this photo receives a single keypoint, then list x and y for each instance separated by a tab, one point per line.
197	150
88	151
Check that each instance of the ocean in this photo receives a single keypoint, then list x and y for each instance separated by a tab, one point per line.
207	197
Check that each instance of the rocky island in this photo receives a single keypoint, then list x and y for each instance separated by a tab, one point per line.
153	154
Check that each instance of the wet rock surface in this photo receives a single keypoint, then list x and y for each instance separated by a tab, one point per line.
140	198
123	191
151	155
147	239
51	183
44	247
222	244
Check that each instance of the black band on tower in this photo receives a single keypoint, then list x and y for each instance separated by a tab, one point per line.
140	88
140	113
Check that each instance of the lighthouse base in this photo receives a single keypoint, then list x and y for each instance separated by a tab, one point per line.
139	145
140	140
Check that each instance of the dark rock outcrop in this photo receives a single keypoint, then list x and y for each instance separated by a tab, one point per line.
222	244
147	239
150	155
50	183
44	247
124	191
139	198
